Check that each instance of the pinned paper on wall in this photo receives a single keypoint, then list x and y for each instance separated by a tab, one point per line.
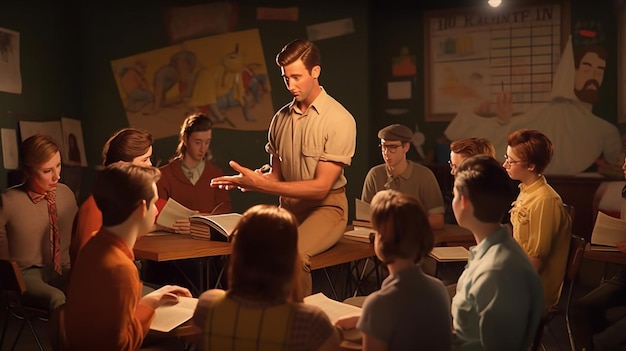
330	29
10	76
277	13
9	148
399	90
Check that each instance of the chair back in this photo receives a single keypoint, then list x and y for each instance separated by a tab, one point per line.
575	257
11	277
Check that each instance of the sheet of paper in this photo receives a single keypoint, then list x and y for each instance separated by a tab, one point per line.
450	253
10	74
173	211
333	309
9	148
277	13
169	317
399	90
361	234
362	210
330	29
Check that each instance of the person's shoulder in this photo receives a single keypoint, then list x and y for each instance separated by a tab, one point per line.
63	188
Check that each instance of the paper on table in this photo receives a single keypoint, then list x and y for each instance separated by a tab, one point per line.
334	309
173	211
450	253
169	317
361	234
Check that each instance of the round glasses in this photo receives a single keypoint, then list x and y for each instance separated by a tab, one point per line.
510	161
390	148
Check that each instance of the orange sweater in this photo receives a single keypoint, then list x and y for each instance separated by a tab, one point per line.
103	310
87	222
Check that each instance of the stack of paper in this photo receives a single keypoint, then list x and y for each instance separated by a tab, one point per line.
171	212
360	234
213	227
450	254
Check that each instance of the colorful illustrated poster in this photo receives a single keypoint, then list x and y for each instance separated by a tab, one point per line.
472	55
223	76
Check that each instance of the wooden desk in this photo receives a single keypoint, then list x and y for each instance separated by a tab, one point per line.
173	247
453	235
168	247
605	256
344	251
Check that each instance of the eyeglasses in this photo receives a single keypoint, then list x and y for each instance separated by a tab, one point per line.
391	148
510	161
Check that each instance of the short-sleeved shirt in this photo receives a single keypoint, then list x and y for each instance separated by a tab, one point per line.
543	228
416	180
499	300
410	309
326	131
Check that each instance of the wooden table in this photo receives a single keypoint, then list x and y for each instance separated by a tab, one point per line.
173	247
605	256
454	235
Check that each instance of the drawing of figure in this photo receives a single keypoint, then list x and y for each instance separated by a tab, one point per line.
179	72
73	153
134	84
222	86
580	138
5	46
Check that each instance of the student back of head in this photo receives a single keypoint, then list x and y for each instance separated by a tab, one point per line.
499	300
104	309
127	145
412	309
263	270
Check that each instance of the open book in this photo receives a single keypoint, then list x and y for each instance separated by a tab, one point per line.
336	310
213	227
169	317
607	231
362	214
171	212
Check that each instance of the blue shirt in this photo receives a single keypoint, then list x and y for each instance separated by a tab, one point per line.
499	299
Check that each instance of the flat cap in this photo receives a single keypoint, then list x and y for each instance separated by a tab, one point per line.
396	132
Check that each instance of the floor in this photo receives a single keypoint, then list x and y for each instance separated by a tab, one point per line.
556	340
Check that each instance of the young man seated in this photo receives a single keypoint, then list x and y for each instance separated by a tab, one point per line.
499	299
104	308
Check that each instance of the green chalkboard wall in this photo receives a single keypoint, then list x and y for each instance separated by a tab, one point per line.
50	65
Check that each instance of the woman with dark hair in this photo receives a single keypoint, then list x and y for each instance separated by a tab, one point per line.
411	308
187	176
127	145
264	268
36	223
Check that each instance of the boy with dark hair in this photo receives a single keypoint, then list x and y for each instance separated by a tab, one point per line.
499	280
104	309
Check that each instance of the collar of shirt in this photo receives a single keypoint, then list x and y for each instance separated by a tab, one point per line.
534	186
317	105
117	242
500	235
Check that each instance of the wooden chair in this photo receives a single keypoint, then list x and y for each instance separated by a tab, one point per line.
12	289
575	257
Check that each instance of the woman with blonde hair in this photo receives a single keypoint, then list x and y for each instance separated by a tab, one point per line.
36	222
262	274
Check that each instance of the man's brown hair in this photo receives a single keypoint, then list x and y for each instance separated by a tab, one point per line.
299	49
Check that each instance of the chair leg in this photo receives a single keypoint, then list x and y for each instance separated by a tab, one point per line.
32	330
19	332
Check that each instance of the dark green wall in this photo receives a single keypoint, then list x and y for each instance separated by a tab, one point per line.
50	66
119	30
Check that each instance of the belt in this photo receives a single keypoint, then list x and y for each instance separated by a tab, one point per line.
338	191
